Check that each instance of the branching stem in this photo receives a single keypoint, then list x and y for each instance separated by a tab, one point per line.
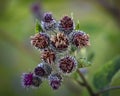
85	84
108	89
89	88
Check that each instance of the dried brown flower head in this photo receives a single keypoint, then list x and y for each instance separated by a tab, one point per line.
67	64
48	56
60	41
40	40
80	39
66	25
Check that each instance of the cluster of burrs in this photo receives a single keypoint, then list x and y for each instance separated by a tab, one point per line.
54	41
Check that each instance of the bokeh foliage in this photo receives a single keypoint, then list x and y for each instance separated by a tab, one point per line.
103	77
16	54
115	82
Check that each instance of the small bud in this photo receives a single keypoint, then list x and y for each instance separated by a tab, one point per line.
48	23
66	25
48	56
40	40
27	79
39	71
60	42
47	17
80	39
67	64
36	81
55	81
43	70
36	9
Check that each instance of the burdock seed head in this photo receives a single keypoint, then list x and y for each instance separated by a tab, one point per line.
67	64
40	40
48	55
60	42
80	39
66	25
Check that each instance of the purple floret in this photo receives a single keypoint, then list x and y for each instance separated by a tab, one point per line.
27	79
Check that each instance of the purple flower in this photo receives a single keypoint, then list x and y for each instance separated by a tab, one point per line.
43	70
39	71
47	17
48	23
55	81
27	79
55	84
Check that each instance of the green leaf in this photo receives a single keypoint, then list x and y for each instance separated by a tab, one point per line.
115	82
38	27
103	77
77	26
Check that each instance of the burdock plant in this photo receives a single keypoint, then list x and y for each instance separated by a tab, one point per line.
60	43
55	41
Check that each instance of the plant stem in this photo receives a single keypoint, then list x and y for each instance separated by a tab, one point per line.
108	89
85	84
88	87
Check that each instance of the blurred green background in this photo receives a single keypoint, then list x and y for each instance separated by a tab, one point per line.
17	55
